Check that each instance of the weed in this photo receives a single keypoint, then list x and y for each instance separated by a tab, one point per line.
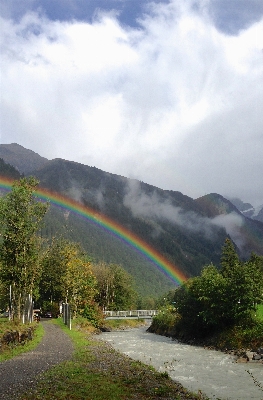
256	382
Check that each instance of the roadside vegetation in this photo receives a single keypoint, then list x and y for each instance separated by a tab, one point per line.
98	372
223	308
260	312
12	349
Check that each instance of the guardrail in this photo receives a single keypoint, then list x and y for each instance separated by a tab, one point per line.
131	313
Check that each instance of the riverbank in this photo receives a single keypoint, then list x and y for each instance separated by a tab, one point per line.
98	372
214	373
252	354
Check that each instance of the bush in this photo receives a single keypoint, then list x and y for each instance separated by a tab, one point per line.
93	313
165	321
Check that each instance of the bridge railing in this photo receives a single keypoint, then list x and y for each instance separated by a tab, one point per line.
131	313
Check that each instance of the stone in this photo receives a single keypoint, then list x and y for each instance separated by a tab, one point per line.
250	355
242	360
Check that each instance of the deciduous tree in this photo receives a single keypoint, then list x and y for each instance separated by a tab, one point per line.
115	287
21	215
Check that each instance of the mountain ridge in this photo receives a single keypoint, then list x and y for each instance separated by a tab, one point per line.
189	232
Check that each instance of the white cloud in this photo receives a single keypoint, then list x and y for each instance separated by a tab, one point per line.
150	205
176	104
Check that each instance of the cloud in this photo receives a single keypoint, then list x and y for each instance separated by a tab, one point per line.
158	209
232	16
176	103
232	223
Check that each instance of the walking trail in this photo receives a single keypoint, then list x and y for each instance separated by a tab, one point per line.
20	373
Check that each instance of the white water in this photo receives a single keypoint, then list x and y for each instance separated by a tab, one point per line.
214	373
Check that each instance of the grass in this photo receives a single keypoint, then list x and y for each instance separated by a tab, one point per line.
260	312
98	372
12	350
124	323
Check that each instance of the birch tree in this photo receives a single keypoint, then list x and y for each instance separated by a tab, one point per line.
21	215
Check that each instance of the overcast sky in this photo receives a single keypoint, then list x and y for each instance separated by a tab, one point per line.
168	92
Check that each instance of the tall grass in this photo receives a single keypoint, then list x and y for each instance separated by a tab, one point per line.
260	312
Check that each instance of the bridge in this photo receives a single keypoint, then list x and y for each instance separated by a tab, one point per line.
143	314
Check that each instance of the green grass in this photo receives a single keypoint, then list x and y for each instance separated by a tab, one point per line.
11	351
72	380
124	323
260	312
114	376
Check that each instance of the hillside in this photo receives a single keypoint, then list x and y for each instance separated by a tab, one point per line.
22	159
166	220
8	170
190	233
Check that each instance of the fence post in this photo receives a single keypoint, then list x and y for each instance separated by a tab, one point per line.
66	315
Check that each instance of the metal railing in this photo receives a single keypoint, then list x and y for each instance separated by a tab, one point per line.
131	313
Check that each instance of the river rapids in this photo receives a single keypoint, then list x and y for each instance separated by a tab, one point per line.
212	372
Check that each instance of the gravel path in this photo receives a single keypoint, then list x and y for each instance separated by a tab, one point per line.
19	373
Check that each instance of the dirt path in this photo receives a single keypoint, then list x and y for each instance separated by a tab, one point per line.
19	373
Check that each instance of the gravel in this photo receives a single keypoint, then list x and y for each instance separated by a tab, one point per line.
20	373
146	383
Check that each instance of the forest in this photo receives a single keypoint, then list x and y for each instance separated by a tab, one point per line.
52	271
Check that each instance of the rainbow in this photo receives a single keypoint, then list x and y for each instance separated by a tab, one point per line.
102	221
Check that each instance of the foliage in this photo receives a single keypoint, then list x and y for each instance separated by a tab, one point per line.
241	337
54	266
115	287
146	303
79	283
93	313
21	216
67	276
260	312
120	324
218	300
165	321
8	352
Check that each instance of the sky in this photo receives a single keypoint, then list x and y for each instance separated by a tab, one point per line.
168	92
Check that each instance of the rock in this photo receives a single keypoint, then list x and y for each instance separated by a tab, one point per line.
257	356
242	360
105	329
250	355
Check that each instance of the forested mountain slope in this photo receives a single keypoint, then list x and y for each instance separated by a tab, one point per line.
190	233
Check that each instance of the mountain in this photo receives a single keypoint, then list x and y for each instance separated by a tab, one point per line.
22	159
247	233
248	210
189	233
147	211
8	170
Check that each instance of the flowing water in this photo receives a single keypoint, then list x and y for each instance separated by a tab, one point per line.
214	373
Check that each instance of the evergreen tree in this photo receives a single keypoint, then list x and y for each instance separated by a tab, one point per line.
229	258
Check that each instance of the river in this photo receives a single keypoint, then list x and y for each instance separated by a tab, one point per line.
214	373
